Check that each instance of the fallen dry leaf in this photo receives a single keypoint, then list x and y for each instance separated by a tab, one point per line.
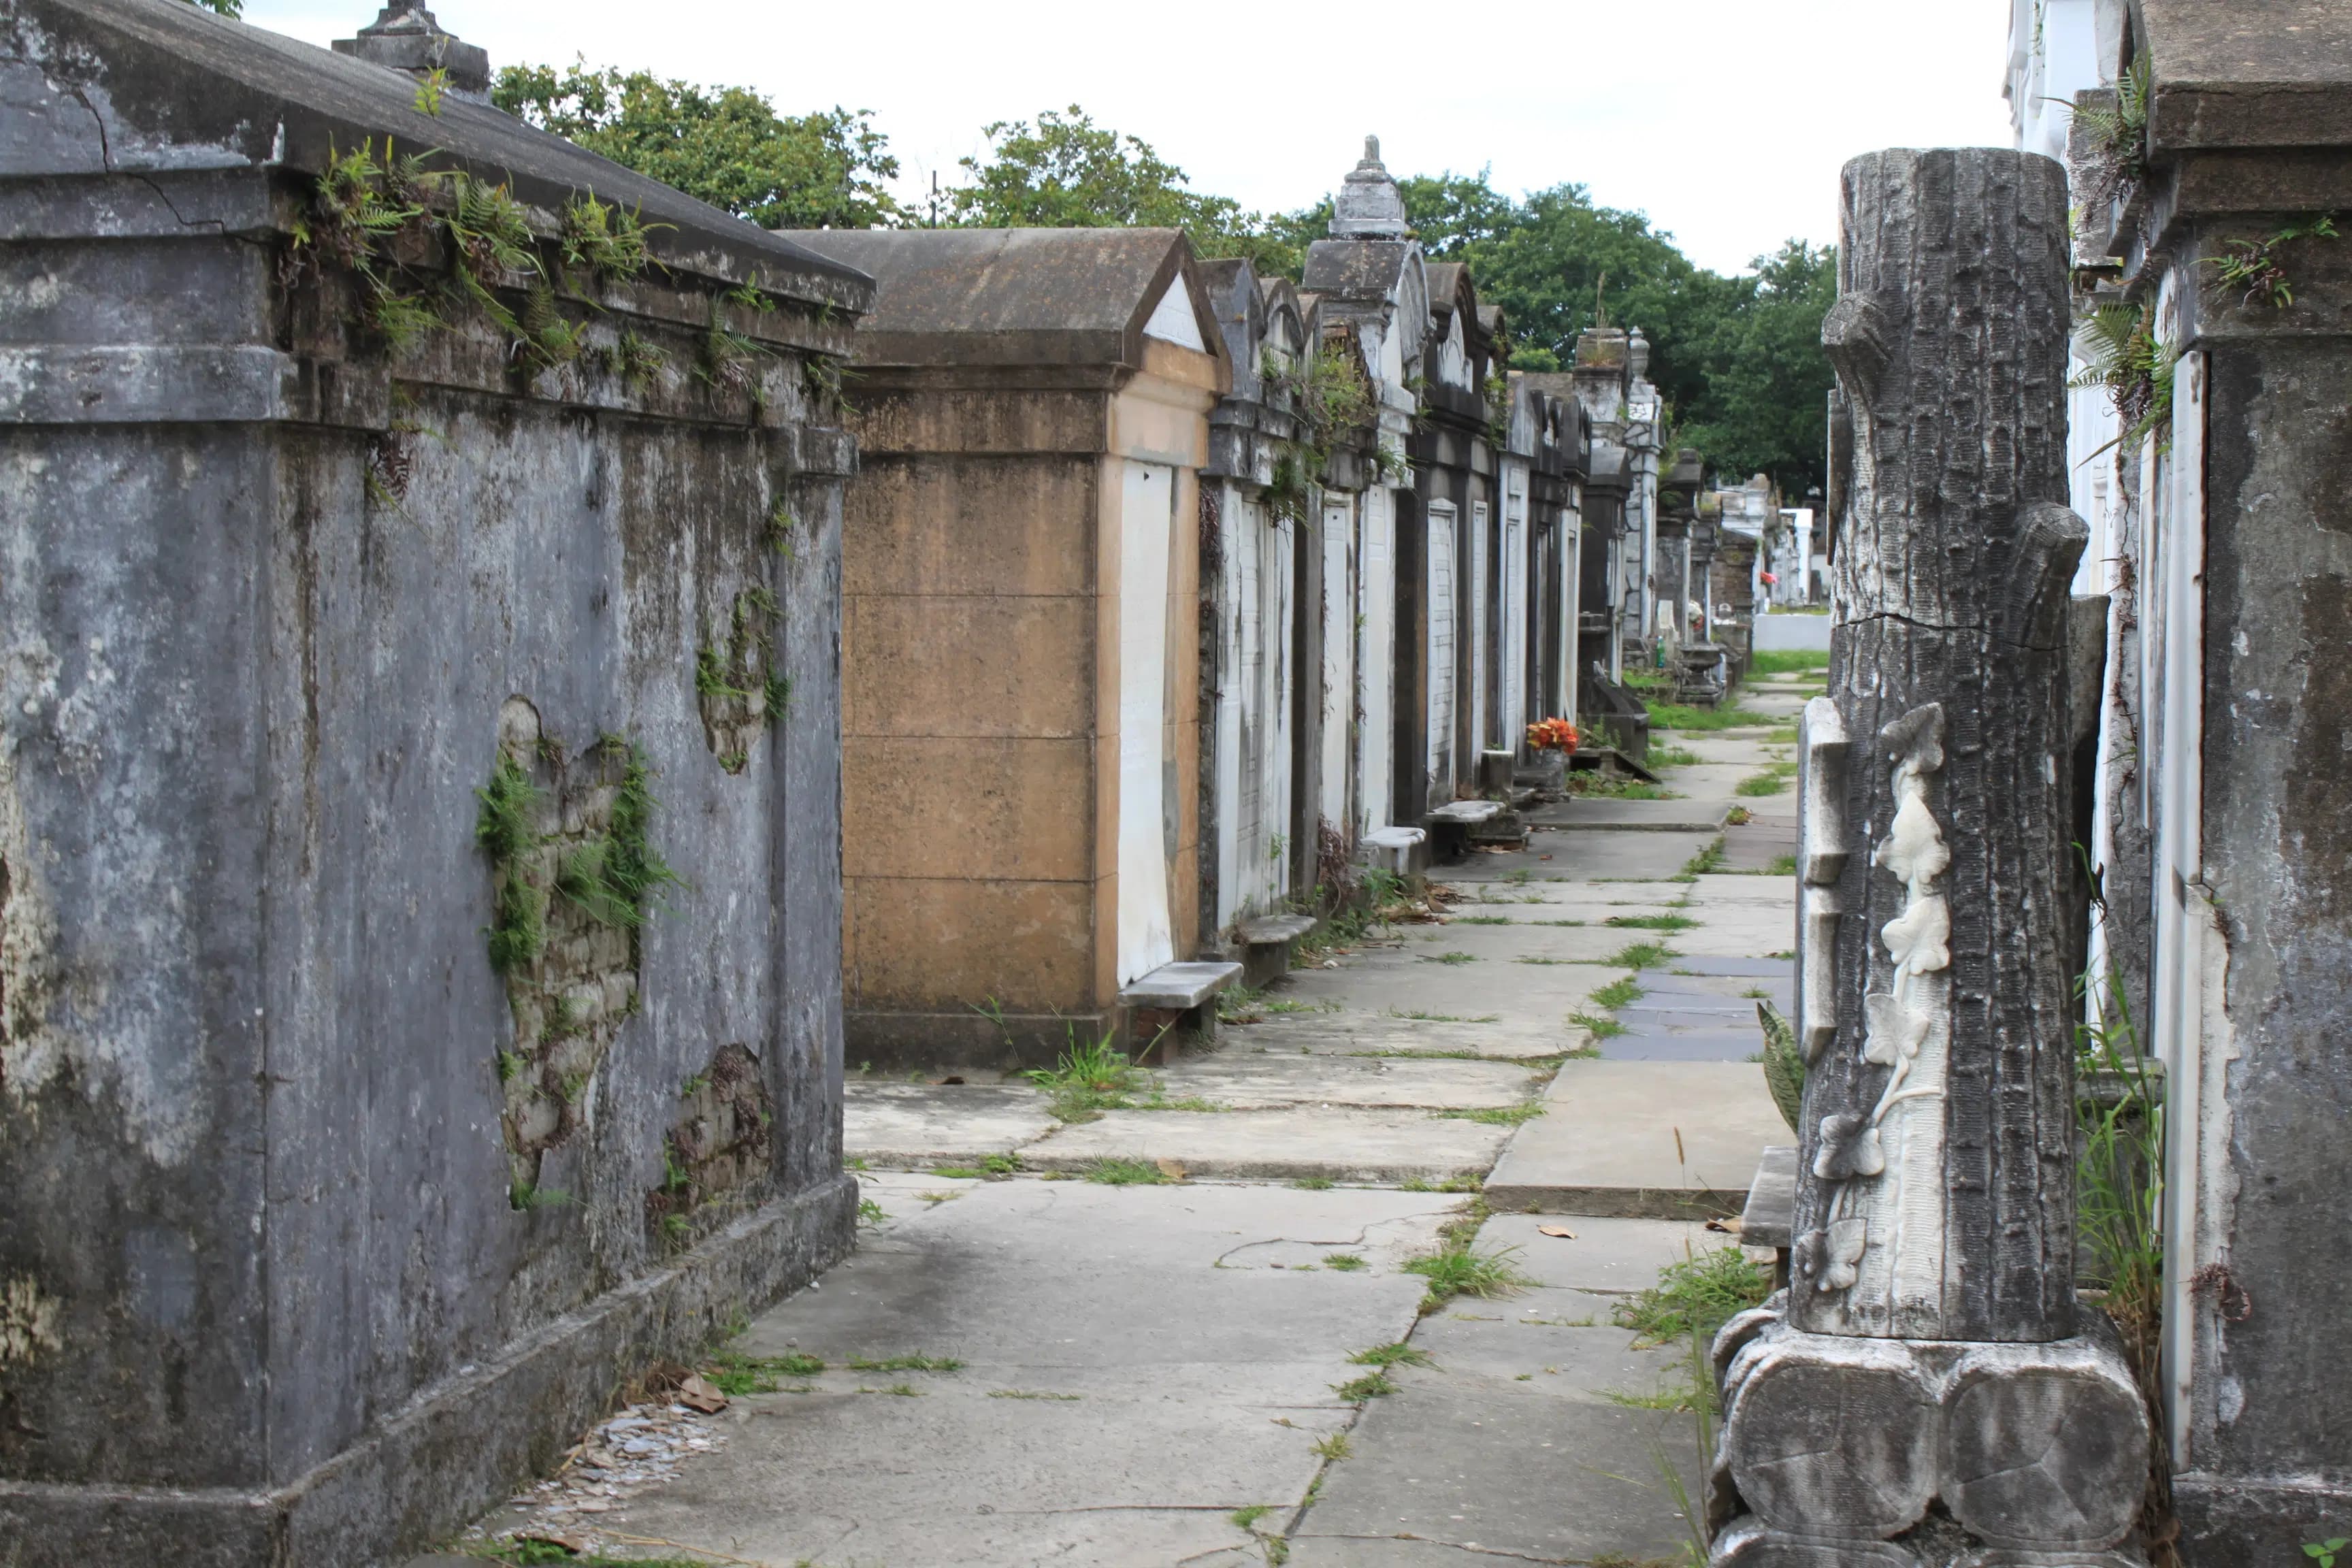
1728	1227
1561	1231
1171	1169
696	1394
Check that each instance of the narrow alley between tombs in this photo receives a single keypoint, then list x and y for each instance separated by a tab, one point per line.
1341	1289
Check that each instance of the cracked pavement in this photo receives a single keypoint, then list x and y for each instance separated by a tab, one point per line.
1149	1375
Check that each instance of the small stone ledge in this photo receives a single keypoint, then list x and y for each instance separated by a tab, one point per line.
1179	986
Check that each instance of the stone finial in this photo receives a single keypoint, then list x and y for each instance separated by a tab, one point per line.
1369	206
405	37
1637	356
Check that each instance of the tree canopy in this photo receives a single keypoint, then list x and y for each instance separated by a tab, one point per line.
725	145
1065	171
1737	359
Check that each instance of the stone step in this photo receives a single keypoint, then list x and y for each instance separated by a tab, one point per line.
1659	1139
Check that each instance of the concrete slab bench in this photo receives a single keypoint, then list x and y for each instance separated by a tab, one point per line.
1174	999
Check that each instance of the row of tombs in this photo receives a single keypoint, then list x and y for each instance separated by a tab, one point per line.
508	666
511	673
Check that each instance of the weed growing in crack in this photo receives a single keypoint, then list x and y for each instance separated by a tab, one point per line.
1029	1394
733	1373
1397	1354
1344	1262
1618	992
1497	1115
1334	1446
906	1363
1458	1269
1704	863
1371	1386
1125	1174
1313	1184
1695	1297
1652	922
1090	1077
1640	955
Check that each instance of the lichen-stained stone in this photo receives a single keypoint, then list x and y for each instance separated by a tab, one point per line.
1831	1436
2044	1445
1936	1194
1749	1543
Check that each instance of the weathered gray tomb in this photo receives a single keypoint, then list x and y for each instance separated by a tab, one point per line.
1929	1391
402	566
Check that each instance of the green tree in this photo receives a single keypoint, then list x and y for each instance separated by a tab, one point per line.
1065	171
226	7
1766	406
1737	360
726	145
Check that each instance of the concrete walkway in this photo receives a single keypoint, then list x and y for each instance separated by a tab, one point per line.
1027	1362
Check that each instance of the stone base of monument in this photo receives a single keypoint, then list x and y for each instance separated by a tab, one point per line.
1841	1450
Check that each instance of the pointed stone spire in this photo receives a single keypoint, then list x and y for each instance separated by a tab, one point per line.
405	37
1369	206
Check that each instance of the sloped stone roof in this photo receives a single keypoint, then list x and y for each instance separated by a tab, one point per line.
171	86
1012	295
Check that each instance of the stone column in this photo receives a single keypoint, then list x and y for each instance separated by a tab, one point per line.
1929	1351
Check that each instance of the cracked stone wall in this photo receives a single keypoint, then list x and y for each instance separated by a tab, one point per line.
277	600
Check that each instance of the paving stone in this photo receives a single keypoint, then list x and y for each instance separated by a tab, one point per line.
1641	1138
1248	1078
1342	1145
1182	1390
927	1124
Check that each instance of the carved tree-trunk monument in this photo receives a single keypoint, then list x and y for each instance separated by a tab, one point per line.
1926	1395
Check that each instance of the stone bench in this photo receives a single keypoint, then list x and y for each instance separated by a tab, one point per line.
1174	999
1404	851
1456	824
1267	944
1771	1211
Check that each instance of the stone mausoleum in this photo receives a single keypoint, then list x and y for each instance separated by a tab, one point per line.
418	786
1022	639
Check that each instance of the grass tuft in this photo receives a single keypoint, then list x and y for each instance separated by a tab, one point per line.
1397	1354
1652	922
1090	1077
1344	1262
1126	1173
906	1363
1497	1115
734	1374
1695	1297
1371	1386
1458	1269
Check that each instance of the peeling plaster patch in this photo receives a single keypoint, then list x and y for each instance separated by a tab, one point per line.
28	1323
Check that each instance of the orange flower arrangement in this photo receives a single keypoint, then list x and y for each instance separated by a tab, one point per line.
1552	735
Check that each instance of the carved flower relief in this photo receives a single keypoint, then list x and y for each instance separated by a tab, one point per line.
1849	1148
1832	1258
1894	1032
1913	850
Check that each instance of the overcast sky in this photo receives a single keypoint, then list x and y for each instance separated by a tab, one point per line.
1726	121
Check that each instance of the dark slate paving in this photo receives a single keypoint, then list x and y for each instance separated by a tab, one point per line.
1699	1018
1767	969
